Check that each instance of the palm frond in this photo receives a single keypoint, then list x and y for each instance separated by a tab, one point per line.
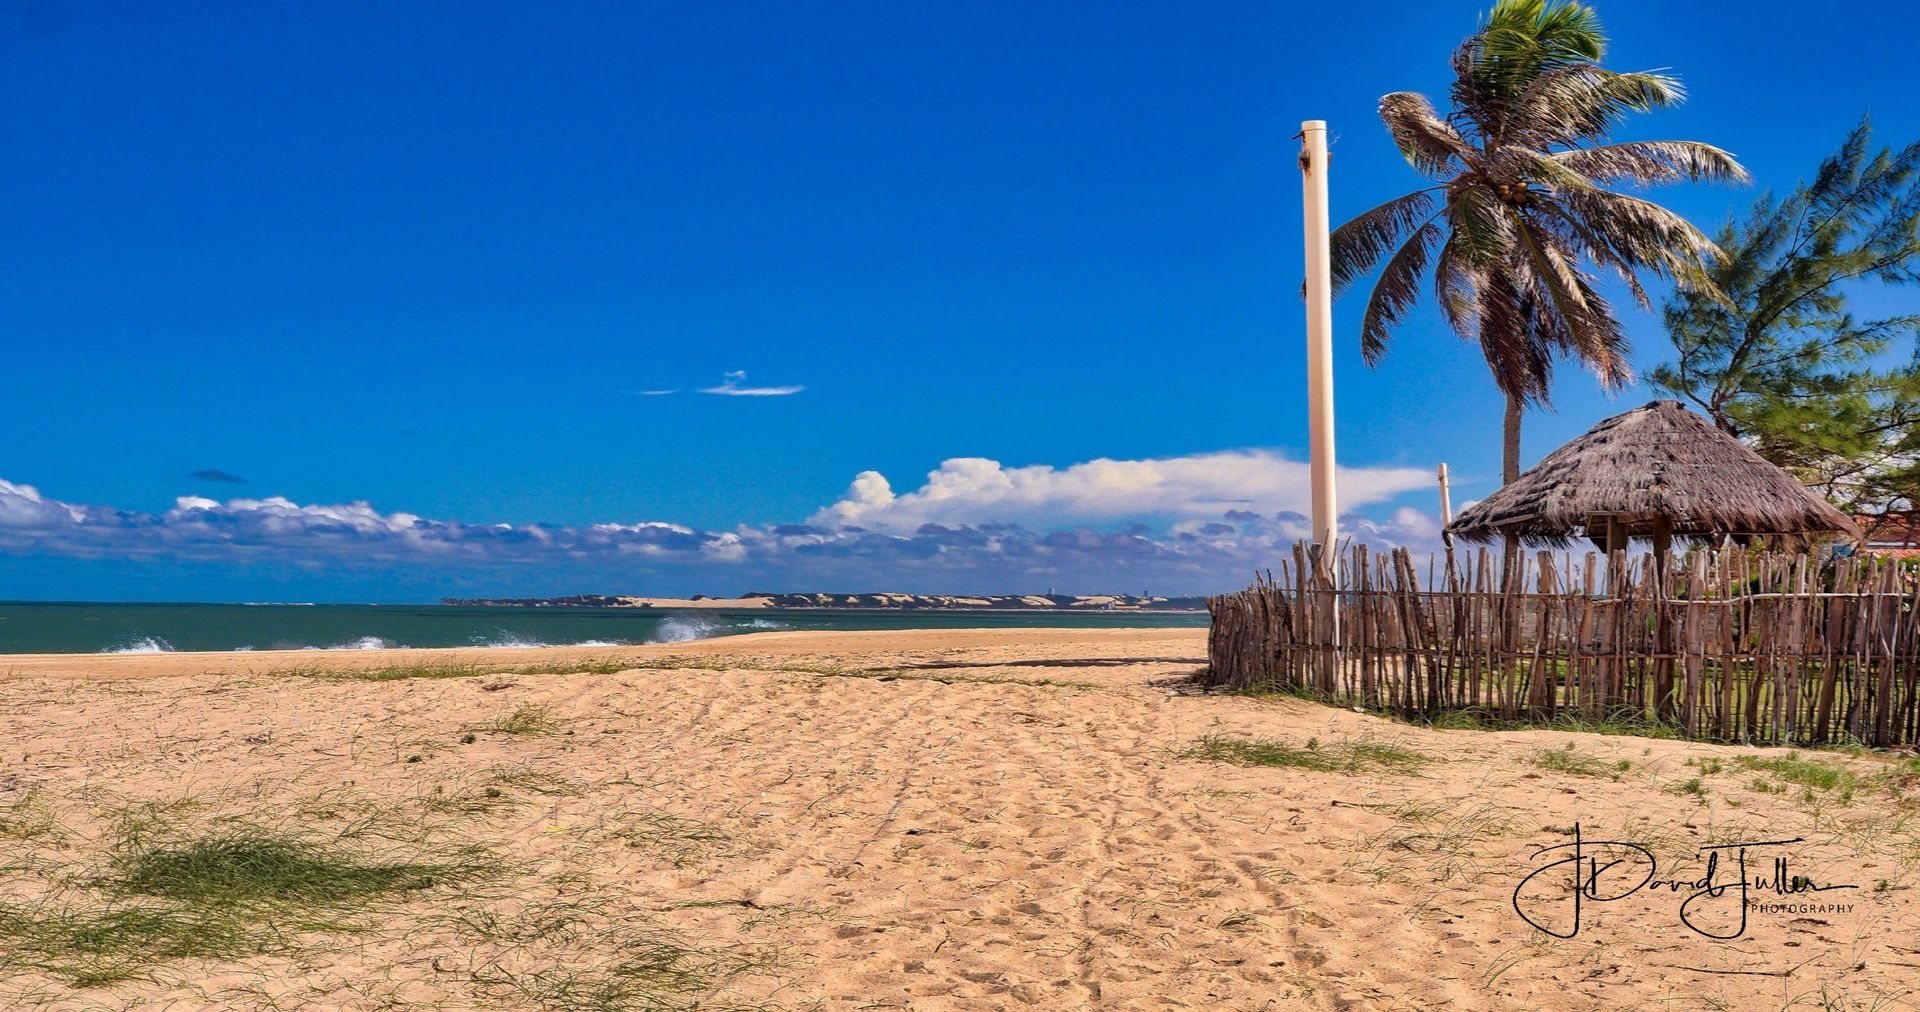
1550	273
1540	167
1654	162
1521	363
1396	291
1605	348
1526	213
1359	244
1643	234
1482	222
1456	287
1567	105
1577	236
1569	312
1428	142
1521	40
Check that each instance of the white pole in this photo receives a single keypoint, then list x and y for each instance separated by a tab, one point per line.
1313	189
1446	498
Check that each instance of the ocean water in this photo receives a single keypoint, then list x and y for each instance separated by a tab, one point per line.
62	628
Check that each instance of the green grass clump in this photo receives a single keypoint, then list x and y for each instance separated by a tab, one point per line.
537	782
640	966
677	838
1690	786
1566	760
1347	757
616	665
1623	723
477	801
494	790
583	666
651	973
1802	772
25	815
907	675
611	666
457	669
526	719
239	891
392	673
1447	838
262	870
95	947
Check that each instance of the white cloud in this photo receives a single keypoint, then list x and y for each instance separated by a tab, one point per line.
1179	525
725	548
657	393
22	507
976	490
730	386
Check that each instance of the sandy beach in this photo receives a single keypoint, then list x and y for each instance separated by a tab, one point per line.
976	819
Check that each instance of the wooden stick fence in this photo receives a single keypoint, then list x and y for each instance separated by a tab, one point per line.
1728	646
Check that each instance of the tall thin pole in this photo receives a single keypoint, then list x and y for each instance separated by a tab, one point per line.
1446	497
1313	190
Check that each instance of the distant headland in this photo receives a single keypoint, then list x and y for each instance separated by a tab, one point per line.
861	602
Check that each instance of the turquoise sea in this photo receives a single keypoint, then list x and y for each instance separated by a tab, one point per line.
33	628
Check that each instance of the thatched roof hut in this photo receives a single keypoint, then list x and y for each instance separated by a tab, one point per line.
1656	472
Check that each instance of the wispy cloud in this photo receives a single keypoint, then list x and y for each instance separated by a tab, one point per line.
731	386
215	474
657	393
1174	525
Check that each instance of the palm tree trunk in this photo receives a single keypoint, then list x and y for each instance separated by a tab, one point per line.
1510	442
1509	473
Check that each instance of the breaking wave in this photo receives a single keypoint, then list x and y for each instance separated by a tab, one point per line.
682	628
516	641
667	628
365	643
143	645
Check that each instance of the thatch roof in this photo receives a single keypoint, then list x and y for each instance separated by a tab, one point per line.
1654	462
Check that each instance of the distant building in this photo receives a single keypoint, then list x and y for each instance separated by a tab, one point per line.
1893	535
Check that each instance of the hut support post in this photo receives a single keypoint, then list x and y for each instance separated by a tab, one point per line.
1662	541
1616	535
1616	549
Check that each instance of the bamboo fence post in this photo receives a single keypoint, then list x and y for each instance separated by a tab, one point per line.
1767	648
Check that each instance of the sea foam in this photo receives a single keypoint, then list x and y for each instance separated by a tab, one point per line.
682	628
515	641
365	643
143	645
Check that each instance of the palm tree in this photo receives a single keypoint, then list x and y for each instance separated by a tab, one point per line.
1520	207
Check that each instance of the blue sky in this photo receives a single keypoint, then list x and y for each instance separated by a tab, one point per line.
428	256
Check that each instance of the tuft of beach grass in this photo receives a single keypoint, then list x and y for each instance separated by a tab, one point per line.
1567	759
525	719
235	891
1356	756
